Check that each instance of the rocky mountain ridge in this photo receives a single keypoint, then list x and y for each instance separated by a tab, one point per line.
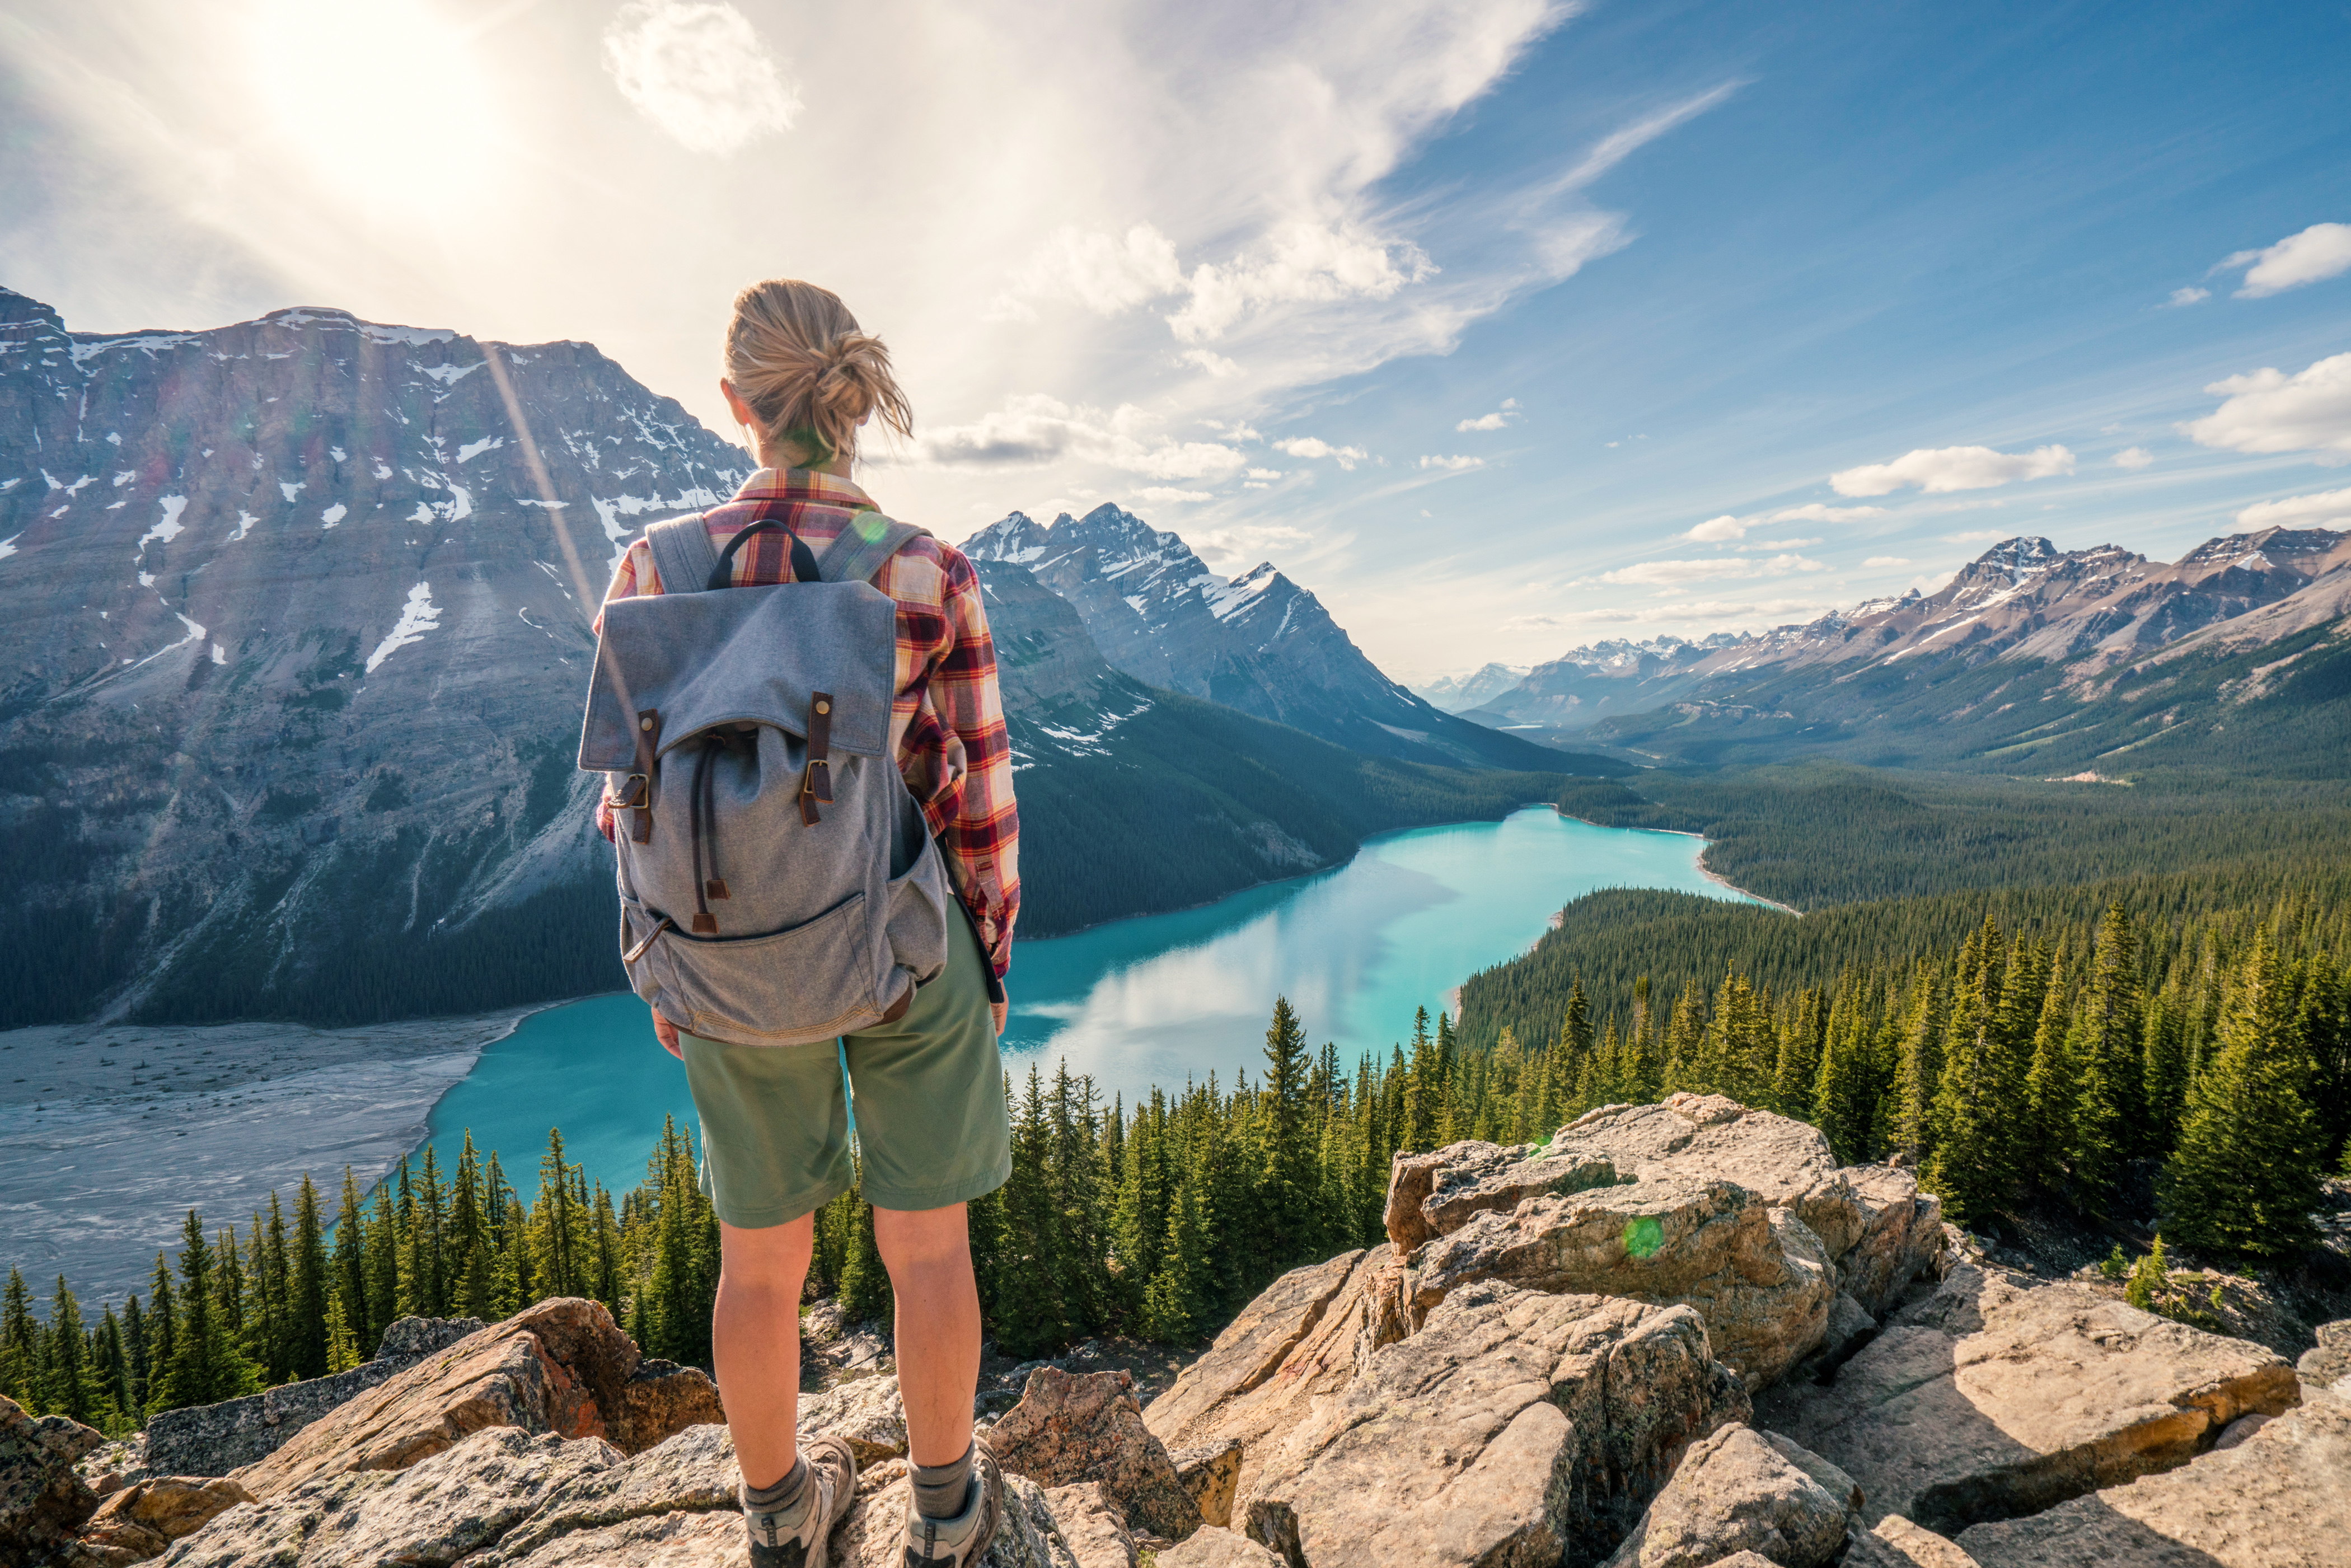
1459	694
1258	642
2110	648
1673	1337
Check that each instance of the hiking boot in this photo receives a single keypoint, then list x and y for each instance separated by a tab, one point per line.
957	1542
833	1488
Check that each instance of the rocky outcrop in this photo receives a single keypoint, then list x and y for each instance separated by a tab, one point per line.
1211	1547
1092	1526
1744	1491
1742	1214
1212	1474
1898	1543
142	1520
1996	1397
213	1440
1302	1339
562	1367
42	1501
1089	1427
868	1412
2280	1500
1514	1427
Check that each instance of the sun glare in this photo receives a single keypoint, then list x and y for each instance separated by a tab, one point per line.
386	100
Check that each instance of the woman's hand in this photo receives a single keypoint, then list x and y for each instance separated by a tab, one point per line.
666	1032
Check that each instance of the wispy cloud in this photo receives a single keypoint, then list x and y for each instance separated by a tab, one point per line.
1312	447
700	72
1453	465
1940	470
2319	251
2327	509
1670	573
2269	411
2133	457
1036	431
1497	420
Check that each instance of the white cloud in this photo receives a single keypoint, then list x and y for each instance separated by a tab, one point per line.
2325	509
1780	544
2269	411
1669	573
1249	543
1104	273
2132	457
1301	263
1724	528
1531	623
1977	536
1814	512
1943	468
1494	421
2319	251
1715	531
2188	297
1453	465
1265	473
699	72
1214	364
1162	494
1887	560
1315	447
1033	430
1709	610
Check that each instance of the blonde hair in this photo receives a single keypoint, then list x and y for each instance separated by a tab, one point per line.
795	355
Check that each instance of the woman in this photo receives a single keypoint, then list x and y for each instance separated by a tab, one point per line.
801	378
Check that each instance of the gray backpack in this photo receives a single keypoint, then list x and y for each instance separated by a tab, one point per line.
777	884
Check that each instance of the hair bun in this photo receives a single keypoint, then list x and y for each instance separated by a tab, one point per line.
797	356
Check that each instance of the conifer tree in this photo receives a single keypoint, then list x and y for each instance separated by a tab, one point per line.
20	1346
555	1229
351	1269
1795	1075
2047	1137
112	1363
1977	1104
207	1365
866	1292
342	1350
1918	1074
2107	1109
2245	1176
1843	1098
308	1289
70	1389
162	1337
134	1360
1289	1179
1174	1307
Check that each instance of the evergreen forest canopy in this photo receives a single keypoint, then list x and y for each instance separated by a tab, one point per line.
2012	1065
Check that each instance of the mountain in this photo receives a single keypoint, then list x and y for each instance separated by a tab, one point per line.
2237	656
290	686
1458	694
1258	642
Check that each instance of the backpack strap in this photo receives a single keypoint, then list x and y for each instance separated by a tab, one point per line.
869	540
682	553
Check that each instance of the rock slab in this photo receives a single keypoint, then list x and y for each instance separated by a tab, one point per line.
2282	1499
1996	1397
1514	1429
42	1501
1744	1491
1089	1427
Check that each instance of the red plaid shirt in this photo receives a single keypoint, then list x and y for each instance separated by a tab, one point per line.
954	751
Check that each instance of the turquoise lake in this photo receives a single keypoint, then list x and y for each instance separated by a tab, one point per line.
1154	1000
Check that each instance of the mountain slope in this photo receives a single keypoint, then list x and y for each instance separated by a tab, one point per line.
2237	656
1135	797
1258	642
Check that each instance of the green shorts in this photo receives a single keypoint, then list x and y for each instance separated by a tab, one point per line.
932	1125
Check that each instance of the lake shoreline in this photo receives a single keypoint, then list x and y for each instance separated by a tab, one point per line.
1704	870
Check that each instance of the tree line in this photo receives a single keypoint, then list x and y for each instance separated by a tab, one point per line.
2016	1064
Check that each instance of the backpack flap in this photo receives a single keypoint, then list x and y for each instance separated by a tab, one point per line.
753	656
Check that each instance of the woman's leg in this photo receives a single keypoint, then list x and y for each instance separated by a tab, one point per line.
754	1335
928	1254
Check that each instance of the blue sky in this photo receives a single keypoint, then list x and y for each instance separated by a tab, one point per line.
1250	269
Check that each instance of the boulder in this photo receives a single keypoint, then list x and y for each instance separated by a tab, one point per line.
213	1440
868	1412
1995	1398
2280	1500
562	1367
1435	1194
1898	1543
1087	1427
1755	1274
1211	1547
454	1502
1901	1236
1740	1491
2329	1361
1212	1474
139	1521
1090	1526
42	1501
1514	1427
1300	1341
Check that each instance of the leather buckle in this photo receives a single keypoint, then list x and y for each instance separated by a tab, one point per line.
641	800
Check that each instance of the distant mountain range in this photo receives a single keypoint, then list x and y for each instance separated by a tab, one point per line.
1258	642
298	633
2031	658
1459	694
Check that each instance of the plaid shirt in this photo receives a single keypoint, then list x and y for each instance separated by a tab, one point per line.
954	751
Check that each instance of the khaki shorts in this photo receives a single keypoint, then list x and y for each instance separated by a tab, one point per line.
932	1127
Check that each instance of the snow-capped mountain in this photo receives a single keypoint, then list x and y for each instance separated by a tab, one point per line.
2102	650
297	635
1459	694
1259	641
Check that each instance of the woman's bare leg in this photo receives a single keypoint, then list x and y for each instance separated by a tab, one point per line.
928	1254
755	1338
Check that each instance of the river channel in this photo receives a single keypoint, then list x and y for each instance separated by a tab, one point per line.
1154	1000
